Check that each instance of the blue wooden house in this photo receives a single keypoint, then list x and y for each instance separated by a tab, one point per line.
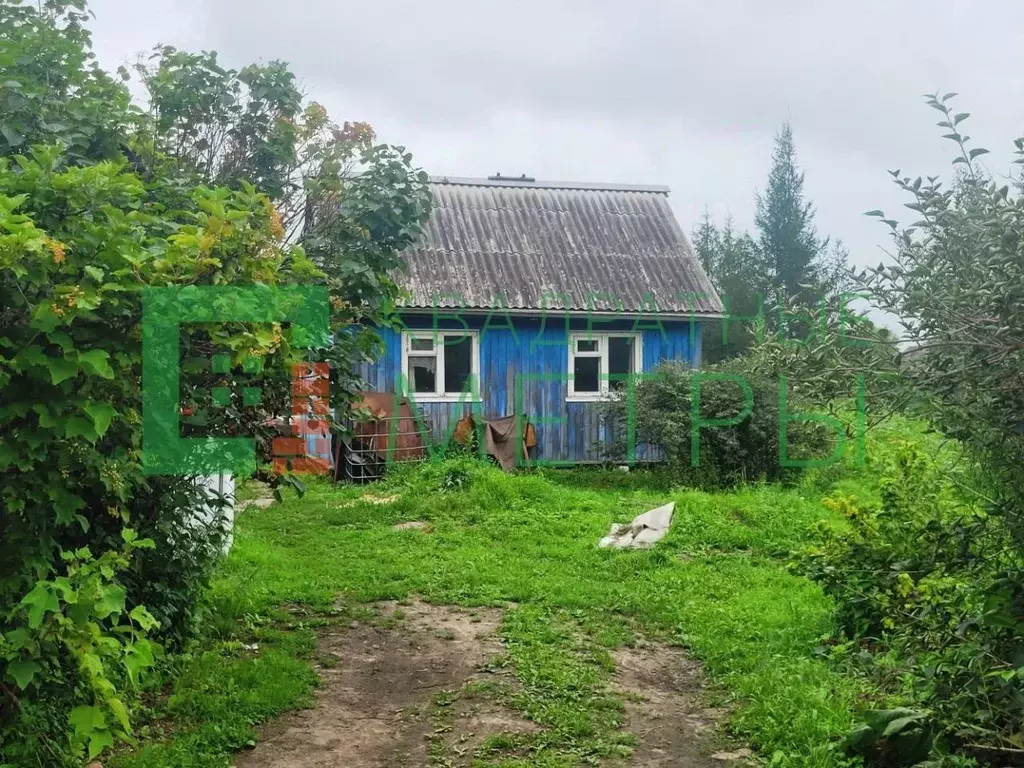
542	298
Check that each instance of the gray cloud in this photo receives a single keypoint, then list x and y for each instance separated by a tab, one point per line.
682	93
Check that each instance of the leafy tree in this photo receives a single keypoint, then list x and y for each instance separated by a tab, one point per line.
59	93
933	579
798	263
352	202
733	262
221	125
842	362
99	199
956	280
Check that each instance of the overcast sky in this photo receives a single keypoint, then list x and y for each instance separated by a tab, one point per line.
645	91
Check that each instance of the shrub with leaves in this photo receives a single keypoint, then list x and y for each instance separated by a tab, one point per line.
352	202
98	200
893	737
956	280
82	615
925	589
745	444
75	249
932	592
834	358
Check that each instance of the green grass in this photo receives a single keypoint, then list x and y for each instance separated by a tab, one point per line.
716	584
221	695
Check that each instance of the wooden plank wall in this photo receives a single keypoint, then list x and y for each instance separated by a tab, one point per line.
524	362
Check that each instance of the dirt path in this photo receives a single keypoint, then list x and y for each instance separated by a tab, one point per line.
401	692
662	690
373	708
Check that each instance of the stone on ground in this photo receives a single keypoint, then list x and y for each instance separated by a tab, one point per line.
414	525
727	757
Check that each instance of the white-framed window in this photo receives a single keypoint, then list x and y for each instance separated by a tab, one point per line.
599	363
441	365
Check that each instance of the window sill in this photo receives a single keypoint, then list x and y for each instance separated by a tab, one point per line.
600	397
428	398
597	397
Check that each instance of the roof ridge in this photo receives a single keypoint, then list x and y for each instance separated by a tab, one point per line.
512	182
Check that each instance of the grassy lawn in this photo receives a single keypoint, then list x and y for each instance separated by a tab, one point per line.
718	584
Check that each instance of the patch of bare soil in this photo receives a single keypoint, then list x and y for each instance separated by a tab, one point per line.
396	696
662	690
473	721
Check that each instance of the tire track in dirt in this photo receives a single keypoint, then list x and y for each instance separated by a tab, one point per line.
414	688
372	708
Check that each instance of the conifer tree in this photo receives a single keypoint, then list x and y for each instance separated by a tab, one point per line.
799	265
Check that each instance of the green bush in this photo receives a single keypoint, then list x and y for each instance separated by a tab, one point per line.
228	179
80	234
955	276
747	448
926	589
81	616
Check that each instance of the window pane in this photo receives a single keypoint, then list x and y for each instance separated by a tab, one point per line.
458	363
421	345
620	359
586	372
423	374
586	345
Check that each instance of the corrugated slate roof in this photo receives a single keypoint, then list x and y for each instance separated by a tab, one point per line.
535	245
